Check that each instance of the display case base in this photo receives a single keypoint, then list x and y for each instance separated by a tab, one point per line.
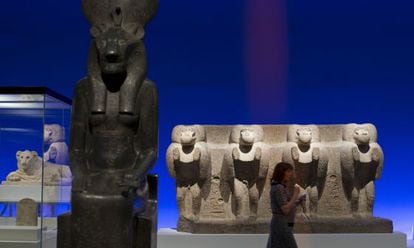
169	238
51	194
26	237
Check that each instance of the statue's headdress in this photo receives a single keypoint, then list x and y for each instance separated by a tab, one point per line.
131	15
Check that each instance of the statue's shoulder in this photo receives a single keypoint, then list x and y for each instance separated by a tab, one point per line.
149	85
82	84
81	88
148	88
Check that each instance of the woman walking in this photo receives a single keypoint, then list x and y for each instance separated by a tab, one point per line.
283	207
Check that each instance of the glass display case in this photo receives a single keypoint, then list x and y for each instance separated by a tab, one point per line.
34	172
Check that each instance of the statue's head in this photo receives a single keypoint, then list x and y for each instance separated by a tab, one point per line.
53	133
362	136
304	135
116	42
26	159
247	136
188	135
116	27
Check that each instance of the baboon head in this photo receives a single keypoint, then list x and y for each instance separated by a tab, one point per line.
188	136
247	137
362	136
304	135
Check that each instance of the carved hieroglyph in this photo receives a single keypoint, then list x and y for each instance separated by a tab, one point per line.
223	176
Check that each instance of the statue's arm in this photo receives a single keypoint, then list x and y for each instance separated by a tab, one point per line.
205	163
173	154
378	157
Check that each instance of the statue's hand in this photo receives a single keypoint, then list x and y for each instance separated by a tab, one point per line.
197	154
376	154
129	181
53	153
295	153
355	153
236	154
258	154
176	154
316	153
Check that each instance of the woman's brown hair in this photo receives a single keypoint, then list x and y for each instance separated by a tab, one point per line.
280	170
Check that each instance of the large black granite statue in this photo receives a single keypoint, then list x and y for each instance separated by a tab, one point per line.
114	134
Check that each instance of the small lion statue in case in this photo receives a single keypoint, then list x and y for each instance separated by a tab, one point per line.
29	170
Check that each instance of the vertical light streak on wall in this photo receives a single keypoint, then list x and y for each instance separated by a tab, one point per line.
266	59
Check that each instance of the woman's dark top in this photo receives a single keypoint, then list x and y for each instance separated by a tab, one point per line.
281	235
280	196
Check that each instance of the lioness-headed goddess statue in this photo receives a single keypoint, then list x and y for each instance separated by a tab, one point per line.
114	131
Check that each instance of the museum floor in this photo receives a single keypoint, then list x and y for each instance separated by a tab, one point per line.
172	239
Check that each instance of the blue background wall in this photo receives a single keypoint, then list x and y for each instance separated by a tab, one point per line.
248	61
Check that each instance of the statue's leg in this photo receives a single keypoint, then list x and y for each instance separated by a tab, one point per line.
370	188
181	192
254	200
355	201
196	194
242	199
102	221
313	200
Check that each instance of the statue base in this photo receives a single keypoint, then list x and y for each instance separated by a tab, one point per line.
343	225
209	226
302	225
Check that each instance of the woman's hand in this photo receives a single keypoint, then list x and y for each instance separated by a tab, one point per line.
292	203
296	192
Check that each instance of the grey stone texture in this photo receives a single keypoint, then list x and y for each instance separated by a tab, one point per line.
114	134
223	176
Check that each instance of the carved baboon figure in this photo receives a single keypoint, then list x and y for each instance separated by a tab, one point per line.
189	163
248	168
303	151
361	162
